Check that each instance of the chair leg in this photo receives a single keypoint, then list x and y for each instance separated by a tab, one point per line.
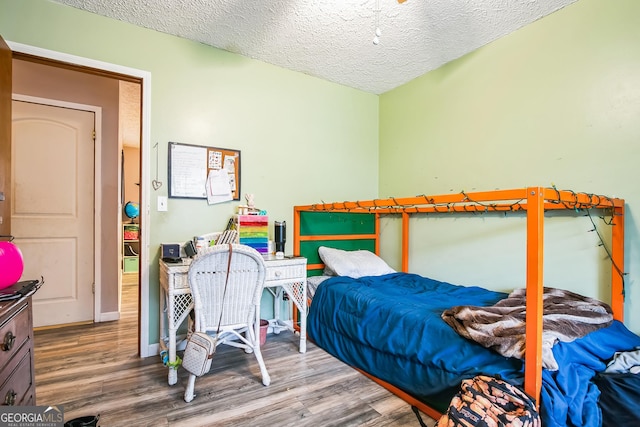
251	339
189	391
266	379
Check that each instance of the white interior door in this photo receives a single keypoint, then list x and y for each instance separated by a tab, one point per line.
52	212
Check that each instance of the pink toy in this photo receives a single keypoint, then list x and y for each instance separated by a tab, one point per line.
11	264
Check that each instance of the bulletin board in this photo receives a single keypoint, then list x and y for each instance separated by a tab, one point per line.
200	172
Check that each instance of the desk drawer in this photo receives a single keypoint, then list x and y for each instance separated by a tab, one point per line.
282	272
179	281
174	276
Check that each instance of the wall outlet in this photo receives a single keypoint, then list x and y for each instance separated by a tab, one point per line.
162	204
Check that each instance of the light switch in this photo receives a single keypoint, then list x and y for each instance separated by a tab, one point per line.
162	204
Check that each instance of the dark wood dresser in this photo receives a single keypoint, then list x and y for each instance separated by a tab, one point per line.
17	373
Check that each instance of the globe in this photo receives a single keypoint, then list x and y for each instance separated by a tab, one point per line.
11	264
132	210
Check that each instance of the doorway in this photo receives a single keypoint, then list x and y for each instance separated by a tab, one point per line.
106	309
129	125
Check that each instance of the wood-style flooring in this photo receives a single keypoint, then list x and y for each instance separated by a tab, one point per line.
94	369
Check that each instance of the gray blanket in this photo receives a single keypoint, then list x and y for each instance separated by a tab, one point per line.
501	327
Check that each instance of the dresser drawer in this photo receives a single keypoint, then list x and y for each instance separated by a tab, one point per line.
17	387
14	333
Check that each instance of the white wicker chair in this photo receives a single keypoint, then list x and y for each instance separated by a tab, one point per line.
239	313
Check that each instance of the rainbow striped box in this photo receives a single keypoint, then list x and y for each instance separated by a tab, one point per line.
253	230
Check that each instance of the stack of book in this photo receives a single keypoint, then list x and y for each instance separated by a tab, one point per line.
253	230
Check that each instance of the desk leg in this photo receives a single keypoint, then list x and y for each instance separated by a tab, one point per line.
163	313
173	372
303	333
303	308
277	300
170	346
297	299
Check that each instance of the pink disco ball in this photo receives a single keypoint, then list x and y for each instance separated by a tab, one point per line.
11	264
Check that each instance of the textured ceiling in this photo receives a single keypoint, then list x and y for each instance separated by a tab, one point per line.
333	39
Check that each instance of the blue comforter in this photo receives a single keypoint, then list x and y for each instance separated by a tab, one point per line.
390	327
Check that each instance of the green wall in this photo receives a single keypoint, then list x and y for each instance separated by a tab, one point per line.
557	102
301	138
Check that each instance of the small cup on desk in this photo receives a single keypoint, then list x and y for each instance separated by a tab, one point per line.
279	255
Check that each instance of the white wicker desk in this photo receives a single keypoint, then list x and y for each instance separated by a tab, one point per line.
282	275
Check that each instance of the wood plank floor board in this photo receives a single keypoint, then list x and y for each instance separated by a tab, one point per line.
94	369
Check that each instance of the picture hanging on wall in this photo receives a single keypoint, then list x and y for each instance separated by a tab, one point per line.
201	172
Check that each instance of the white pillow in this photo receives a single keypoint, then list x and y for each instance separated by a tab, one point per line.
353	263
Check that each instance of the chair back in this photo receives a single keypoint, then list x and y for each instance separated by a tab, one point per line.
241	301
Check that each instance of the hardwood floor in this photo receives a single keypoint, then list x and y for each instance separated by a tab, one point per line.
94	369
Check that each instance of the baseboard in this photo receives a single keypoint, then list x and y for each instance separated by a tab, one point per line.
109	317
153	349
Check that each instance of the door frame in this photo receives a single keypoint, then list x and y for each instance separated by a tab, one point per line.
97	188
145	348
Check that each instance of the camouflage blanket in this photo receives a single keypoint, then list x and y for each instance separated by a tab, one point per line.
501	327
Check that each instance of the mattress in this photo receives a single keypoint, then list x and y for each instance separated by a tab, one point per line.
390	327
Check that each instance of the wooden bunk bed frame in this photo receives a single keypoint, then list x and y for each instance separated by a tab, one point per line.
535	201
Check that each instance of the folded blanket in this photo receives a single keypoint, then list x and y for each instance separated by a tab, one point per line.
501	327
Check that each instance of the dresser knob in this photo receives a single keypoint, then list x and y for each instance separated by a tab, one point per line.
278	273
9	339
10	398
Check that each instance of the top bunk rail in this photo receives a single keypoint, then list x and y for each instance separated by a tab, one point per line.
485	201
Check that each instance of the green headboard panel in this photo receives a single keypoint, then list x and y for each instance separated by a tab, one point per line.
333	224
327	223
